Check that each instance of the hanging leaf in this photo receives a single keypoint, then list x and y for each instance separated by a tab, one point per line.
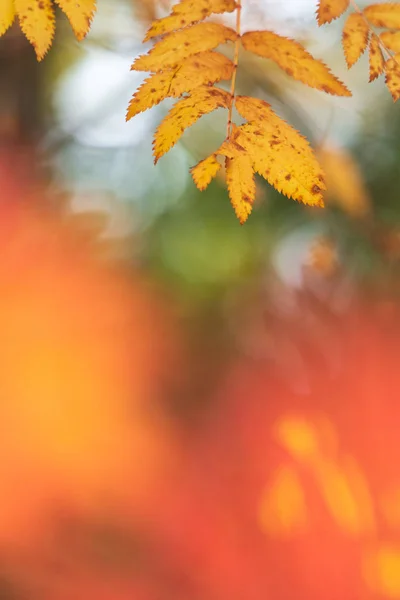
177	46
240	182
376	58
393	76
203	100
80	14
328	10
205	68
391	39
384	15
279	153
205	171
294	60
355	38
186	13
7	15
37	22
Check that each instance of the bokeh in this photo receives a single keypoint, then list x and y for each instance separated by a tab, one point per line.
191	409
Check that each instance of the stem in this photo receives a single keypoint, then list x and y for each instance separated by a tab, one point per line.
235	64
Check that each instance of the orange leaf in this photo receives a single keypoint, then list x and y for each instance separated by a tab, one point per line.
204	68
355	38
384	15
186	13
376	59
205	171
330	9
7	15
240	182
37	22
295	60
177	46
203	100
80	14
393	76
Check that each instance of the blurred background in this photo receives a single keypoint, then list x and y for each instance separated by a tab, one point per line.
191	409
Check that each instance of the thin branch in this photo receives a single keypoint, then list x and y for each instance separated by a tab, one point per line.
235	63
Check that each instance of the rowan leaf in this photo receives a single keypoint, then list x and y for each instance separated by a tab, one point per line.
295	60
392	78
175	47
241	185
328	10
37	22
355	38
391	40
204	68
279	153
80	14
205	171
7	15
186	13
384	15
376	58
184	113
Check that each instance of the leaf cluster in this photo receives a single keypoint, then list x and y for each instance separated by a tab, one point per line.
184	64
360	32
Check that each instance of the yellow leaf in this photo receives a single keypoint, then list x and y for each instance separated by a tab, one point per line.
279	153
205	171
188	12
37	22
345	185
295	60
384	15
391	40
376	59
355	38
392	79
330	9
204	68
80	14
177	46
240	182
7	15
203	100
